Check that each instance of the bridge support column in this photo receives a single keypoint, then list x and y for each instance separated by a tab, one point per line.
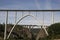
29	28
52	17
6	21
15	17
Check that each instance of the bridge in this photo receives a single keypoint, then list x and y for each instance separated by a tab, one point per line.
29	13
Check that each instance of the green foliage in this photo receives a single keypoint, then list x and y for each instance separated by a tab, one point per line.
17	33
20	34
54	30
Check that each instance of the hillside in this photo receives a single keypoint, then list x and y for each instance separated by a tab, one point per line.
19	32
22	33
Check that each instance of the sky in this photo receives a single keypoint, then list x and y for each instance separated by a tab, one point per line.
30	5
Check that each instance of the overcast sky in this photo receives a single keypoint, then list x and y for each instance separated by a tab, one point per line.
30	5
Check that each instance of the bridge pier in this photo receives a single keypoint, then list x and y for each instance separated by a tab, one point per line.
6	22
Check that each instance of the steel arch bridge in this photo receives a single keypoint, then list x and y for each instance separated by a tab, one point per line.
6	22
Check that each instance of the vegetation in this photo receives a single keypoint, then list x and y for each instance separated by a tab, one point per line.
21	33
54	31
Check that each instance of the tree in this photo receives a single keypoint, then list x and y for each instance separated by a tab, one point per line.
54	30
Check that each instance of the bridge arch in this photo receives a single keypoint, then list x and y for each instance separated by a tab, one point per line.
19	21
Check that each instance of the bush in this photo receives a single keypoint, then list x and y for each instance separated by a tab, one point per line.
54	30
